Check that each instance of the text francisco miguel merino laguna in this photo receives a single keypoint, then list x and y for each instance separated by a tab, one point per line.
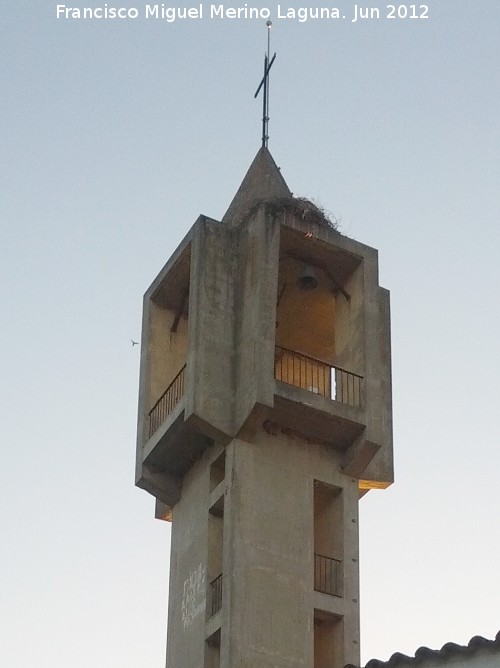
214	11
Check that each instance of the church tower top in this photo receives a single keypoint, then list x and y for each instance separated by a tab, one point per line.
264	414
263	181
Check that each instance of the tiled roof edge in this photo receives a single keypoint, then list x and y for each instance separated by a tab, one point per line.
449	649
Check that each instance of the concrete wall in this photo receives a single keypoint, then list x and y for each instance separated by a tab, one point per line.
269	602
255	315
350	324
379	391
188	570
210	382
270	539
258	523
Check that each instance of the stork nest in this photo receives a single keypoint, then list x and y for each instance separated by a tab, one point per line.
303	208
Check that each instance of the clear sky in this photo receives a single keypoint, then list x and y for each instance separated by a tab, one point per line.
115	135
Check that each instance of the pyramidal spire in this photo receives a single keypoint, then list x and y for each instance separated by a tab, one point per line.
263	181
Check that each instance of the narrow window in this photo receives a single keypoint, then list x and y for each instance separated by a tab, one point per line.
215	551
327	640
217	470
328	539
212	651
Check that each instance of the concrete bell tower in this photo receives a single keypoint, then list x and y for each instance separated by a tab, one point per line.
264	414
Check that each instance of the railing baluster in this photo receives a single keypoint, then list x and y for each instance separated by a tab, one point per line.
166	403
308	373
327	575
216	595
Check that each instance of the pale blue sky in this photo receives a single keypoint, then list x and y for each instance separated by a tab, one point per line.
115	136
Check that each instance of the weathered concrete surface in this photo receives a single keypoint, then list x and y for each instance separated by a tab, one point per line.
224	308
255	316
227	338
210	382
267	545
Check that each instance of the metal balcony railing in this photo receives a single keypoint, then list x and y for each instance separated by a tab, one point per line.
327	575
166	403
318	377
216	595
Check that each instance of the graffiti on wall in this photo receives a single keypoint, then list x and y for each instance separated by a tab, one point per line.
194	596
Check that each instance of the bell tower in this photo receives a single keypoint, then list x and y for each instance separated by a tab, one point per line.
264	415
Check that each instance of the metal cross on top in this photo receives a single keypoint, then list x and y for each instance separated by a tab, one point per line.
265	83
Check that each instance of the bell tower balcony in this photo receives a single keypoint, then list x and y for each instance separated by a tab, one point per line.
318	377
313	394
332	349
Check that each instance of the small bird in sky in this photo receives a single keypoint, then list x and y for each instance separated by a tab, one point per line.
134	343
